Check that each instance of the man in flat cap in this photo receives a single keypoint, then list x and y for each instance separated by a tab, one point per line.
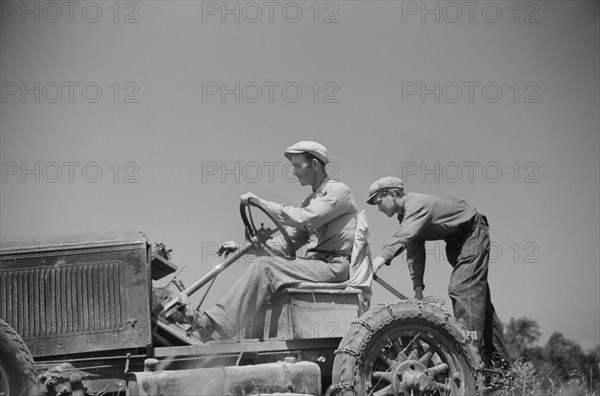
327	219
426	217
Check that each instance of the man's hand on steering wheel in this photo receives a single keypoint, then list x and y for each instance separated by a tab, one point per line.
227	248
245	197
260	237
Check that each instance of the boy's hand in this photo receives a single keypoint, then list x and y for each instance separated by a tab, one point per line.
419	293
378	262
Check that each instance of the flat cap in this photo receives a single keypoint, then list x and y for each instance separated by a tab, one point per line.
384	184
306	146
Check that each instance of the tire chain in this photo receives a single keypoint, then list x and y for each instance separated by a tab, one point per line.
372	330
25	354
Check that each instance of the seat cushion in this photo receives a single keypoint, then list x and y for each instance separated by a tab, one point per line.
322	285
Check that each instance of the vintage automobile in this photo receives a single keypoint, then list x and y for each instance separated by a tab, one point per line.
79	316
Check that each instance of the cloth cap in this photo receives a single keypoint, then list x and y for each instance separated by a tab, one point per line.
384	184
305	146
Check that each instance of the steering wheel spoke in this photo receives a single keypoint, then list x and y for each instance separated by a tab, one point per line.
263	234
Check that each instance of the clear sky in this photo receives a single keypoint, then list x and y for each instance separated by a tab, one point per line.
157	115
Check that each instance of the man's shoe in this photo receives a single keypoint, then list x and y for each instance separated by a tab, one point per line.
206	328
494	382
496	375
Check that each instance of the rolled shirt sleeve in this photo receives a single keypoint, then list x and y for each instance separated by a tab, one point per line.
415	257
318	211
326	219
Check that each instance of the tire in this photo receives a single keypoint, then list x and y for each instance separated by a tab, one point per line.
17	369
407	348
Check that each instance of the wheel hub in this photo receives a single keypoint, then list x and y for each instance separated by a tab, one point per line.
412	376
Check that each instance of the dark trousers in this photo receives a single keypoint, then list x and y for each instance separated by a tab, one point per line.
468	252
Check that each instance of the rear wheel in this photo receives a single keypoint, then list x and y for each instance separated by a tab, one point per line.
407	348
17	375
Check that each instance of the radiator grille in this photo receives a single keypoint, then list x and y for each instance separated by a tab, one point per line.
62	300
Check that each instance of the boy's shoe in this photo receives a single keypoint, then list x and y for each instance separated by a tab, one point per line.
496	374
496	362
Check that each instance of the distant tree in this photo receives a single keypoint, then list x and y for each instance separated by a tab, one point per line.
564	355
519	335
537	356
560	367
592	368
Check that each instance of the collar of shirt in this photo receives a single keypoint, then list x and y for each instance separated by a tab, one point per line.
401	208
319	189
400	217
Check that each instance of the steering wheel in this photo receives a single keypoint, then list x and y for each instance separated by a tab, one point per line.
264	234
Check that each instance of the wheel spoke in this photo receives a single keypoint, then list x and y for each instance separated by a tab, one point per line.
397	349
401	357
435	370
384	361
411	343
414	353
397	346
387	391
381	376
442	387
385	375
424	360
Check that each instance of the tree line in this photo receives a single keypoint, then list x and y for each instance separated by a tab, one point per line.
560	367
